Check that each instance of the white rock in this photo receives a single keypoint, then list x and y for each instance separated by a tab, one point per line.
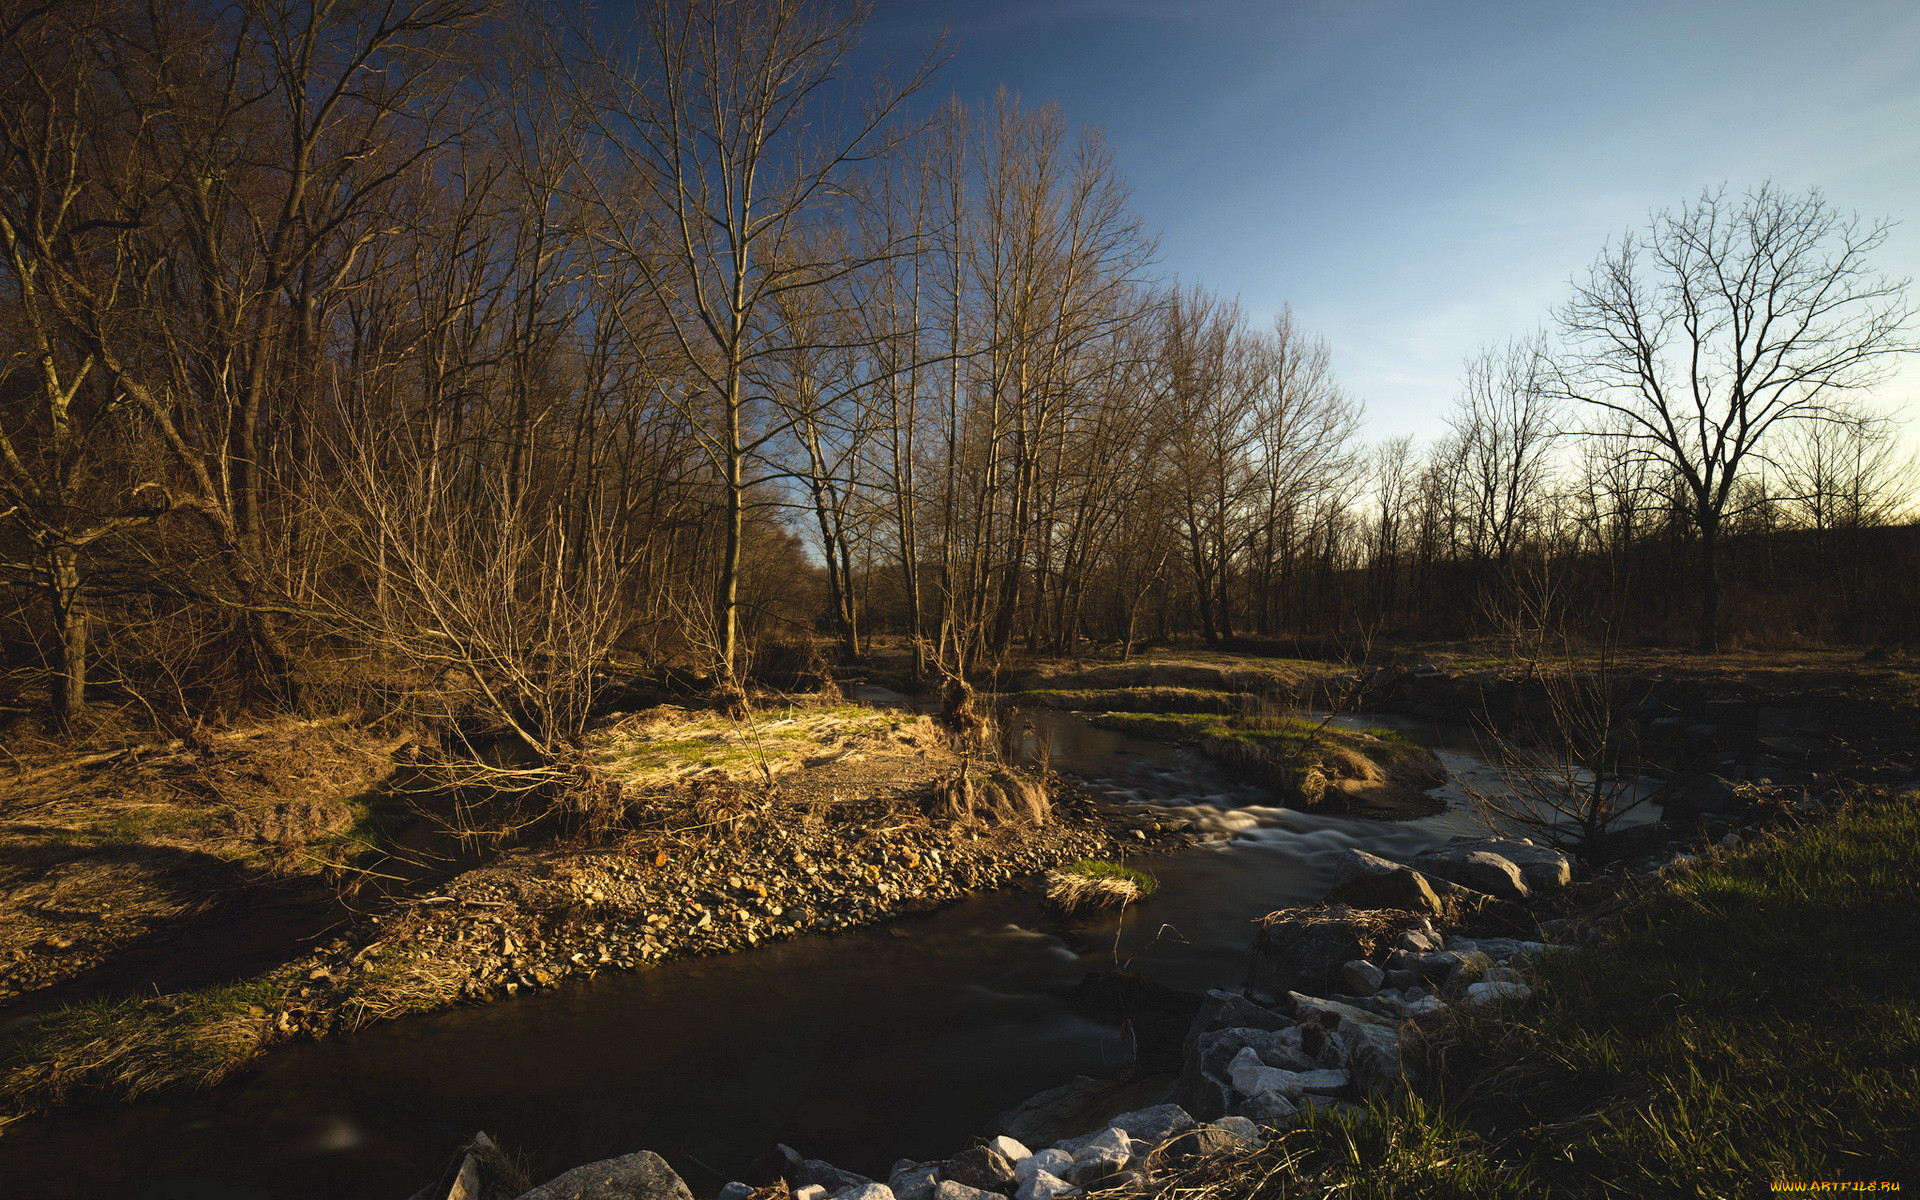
865	1191
1007	1146
1107	1142
812	1191
1480	994
1250	1077
1044	1185
1049	1161
1426	1006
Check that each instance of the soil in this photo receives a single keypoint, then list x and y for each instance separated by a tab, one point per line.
107	858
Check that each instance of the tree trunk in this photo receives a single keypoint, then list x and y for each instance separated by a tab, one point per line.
1708	637
69	687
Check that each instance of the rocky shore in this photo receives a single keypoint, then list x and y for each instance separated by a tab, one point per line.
1344	1005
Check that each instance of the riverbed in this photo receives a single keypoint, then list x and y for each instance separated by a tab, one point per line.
902	1040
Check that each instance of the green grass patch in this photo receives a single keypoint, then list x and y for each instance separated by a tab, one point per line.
1095	883
1754	1020
1096	868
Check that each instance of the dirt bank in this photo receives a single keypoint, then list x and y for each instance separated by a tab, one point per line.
858	816
108	855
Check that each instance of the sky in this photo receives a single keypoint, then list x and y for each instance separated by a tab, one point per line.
1418	178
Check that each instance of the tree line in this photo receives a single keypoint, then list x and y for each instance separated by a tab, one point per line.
436	355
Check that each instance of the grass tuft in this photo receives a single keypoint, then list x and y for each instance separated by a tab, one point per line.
1092	883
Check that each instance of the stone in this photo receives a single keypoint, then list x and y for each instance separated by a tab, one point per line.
1501	975
1361	978
1250	1077
1009	1147
1099	1139
866	1191
1370	1043
1051	1161
1202	1141
1203	1089
1270	1109
1481	870
1154	1125
811	1191
735	1191
1699	792
1541	867
982	1167
640	1176
1363	880
1244	1132
1419	941
915	1183
1231	1010
813	1171
1044	1185
1301	955
1480	995
1425	1007
1039	1117
949	1190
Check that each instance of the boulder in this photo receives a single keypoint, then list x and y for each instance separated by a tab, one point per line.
1540	866
1419	941
1154	1125
1484	994
735	1191
949	1190
1244	1132
915	1182
1302	953
1009	1147
1251	1077
640	1176
814	1172
1699	792
1039	1118
1202	1141
1044	1185
1230	1010
1369	1043
1051	1161
1203	1089
1363	880
983	1168
866	1191
1481	870
1099	1141
1270	1109
1361	978
812	1191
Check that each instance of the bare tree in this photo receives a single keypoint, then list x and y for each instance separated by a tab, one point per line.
1721	322
727	154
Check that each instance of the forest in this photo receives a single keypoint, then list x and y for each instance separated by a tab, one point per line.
456	360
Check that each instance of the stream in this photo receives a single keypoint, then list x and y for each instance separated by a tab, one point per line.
898	1041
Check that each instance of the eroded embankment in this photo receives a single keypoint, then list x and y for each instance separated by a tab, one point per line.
856	816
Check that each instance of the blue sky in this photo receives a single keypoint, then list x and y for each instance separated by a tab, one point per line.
1419	178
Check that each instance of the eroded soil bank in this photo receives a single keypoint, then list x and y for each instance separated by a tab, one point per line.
817	818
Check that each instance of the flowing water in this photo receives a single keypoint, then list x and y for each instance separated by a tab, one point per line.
899	1041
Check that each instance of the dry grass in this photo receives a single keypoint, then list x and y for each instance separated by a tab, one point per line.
663	748
996	797
1090	884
